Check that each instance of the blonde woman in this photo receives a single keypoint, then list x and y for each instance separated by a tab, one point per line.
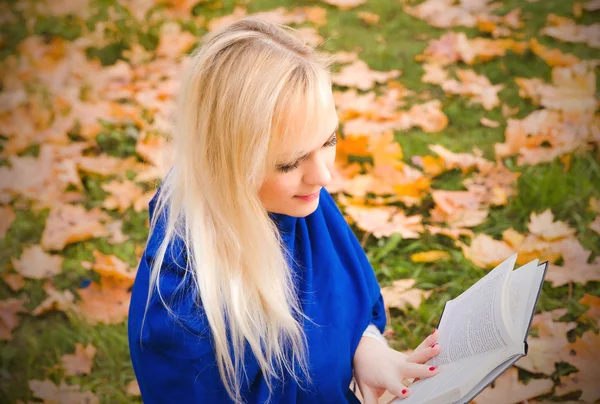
252	287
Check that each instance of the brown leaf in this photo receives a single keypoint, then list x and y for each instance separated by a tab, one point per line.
488	122
565	29
464	161
584	355
37	264
7	217
594	311
595	225
475	86
68	224
507	389
553	57
122	195
544	226
56	300
550	345
110	266
9	319
385	221
80	362
401	294
575	266
359	75
14	281
106	302
64	393
133	389
485	252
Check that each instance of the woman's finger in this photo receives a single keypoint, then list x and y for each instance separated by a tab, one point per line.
424	354
369	396
417	370
430	340
399	390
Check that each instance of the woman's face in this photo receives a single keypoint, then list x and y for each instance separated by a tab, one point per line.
284	185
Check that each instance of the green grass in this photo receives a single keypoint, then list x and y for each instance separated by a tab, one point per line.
39	342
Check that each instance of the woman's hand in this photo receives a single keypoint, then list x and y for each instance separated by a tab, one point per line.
378	368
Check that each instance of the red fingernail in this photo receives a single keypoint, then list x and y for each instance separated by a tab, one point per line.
432	368
434	344
404	391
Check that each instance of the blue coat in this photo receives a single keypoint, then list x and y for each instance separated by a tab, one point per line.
338	291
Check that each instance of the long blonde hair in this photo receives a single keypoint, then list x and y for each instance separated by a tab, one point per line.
239	94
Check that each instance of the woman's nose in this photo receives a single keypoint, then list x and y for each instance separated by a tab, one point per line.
318	172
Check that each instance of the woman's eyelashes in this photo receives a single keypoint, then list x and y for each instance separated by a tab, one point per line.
289	168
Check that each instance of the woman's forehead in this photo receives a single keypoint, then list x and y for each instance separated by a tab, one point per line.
306	127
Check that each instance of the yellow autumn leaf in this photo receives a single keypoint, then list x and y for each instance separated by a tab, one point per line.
429	256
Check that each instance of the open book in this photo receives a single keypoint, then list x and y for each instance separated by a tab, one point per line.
483	332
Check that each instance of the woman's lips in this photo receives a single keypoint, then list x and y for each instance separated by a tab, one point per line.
310	197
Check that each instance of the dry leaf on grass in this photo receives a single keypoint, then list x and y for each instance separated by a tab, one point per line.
64	393
106	302
584	354
68	224
401	294
9	318
7	217
551	344
429	256
594	311
56	300
14	281
35	263
359	75
110	266
595	225
80	362
486	252
507	389
544	226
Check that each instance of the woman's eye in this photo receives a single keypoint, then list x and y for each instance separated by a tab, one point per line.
286	169
333	141
289	168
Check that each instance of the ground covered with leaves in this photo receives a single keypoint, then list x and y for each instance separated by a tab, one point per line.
469	131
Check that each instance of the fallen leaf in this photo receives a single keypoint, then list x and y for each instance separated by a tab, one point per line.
9	319
56	300
35	263
68	224
7	217
595	225
550	345
359	75
80	362
110	266
544	226
486	252
566	30
553	57
401	294
429	256
575	266
64	393
594	311
105	302
584	355
488	122
133	389
385	221
122	195
14	281
507	389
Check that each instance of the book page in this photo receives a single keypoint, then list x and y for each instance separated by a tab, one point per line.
522	293
454	380
472	324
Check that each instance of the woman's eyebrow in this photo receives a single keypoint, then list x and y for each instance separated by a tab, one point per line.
303	156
